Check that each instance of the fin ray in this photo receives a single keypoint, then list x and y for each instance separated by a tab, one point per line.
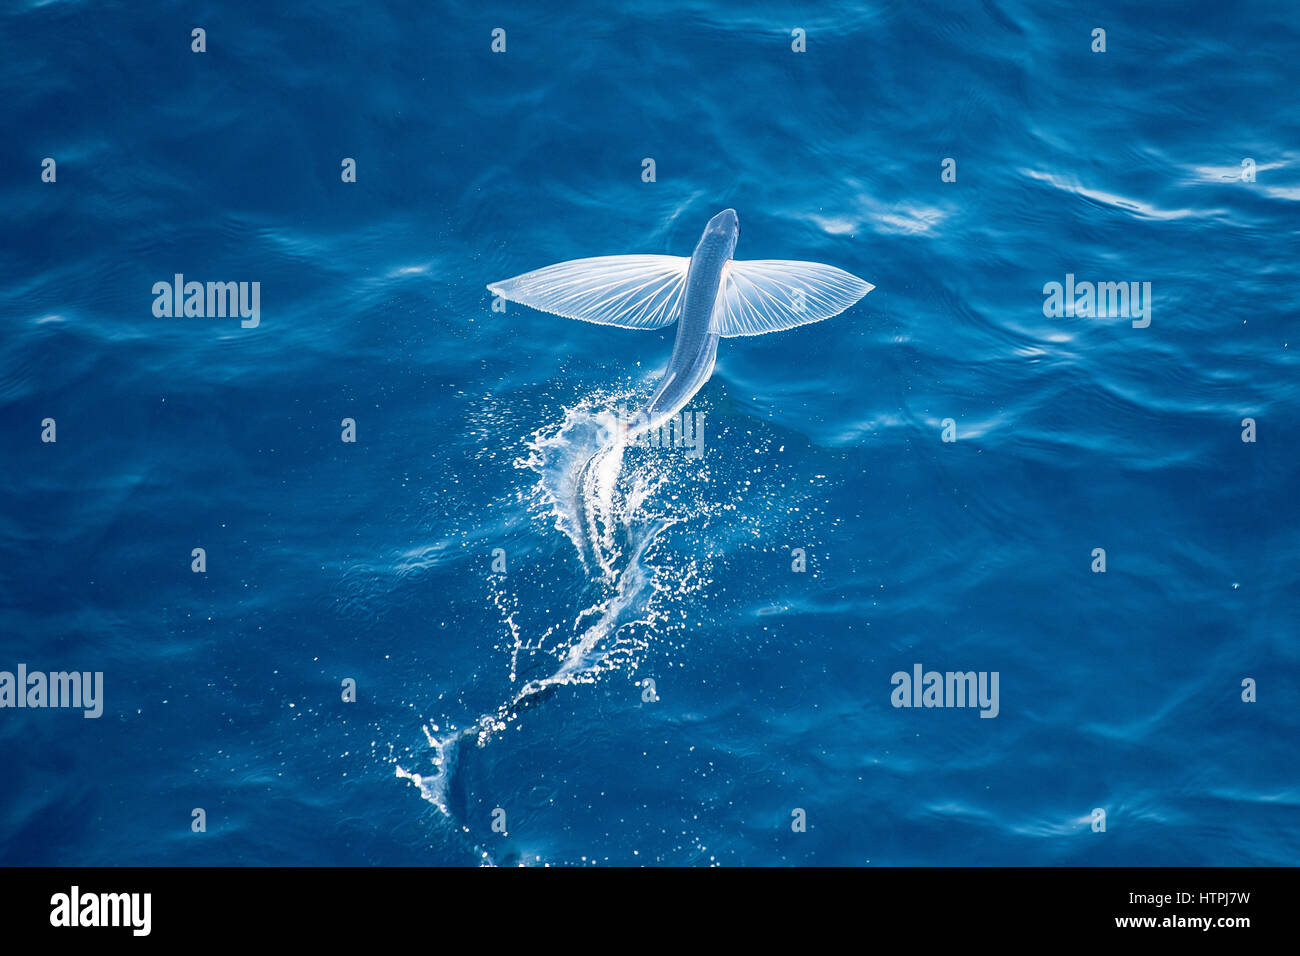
758	296
631	292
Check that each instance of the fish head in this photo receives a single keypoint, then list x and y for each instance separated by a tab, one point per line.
722	231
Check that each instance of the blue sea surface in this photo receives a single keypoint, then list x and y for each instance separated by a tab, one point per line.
828	538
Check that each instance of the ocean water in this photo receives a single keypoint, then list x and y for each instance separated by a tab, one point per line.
501	586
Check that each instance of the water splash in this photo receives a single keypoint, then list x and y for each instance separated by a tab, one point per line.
601	494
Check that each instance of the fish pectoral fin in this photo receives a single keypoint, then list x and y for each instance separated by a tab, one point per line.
768	295
631	292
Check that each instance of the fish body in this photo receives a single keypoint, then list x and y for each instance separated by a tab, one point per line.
696	347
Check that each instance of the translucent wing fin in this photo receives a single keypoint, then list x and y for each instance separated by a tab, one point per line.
632	292
768	295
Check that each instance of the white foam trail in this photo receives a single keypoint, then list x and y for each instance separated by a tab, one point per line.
434	788
578	465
